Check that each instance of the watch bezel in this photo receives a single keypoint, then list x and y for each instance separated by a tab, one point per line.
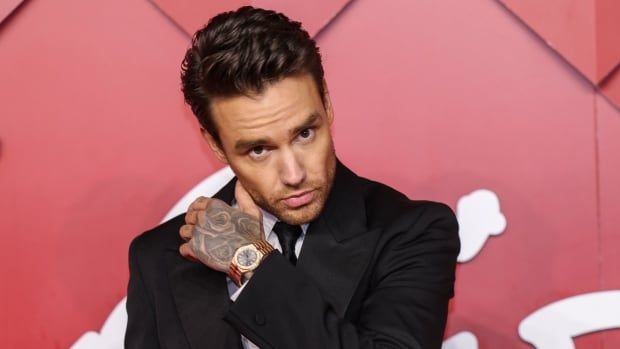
236	272
252	247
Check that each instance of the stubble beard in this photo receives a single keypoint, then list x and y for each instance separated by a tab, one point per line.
307	213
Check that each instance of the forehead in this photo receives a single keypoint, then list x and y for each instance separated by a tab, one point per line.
281	105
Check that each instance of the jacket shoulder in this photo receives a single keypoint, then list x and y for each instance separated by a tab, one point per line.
386	204
162	237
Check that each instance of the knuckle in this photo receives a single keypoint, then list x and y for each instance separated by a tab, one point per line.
186	231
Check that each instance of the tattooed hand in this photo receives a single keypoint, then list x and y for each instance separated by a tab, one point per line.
214	230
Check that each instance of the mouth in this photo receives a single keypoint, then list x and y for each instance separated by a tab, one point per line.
299	199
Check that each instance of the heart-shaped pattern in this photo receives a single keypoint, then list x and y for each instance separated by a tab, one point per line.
7	7
583	32
191	15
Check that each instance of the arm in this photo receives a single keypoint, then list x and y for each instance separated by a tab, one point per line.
141	327
405	307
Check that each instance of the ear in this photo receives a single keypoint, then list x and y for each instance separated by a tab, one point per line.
327	103
214	145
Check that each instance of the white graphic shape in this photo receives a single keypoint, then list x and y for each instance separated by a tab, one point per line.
461	340
480	216
554	326
112	332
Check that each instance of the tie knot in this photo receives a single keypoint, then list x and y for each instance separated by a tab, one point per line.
284	229
287	235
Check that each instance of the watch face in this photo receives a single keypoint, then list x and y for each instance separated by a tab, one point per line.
246	257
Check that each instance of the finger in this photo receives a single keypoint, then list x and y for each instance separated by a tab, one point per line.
186	231
186	251
245	202
197	205
200	203
191	217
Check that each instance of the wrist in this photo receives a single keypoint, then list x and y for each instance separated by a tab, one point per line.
245	277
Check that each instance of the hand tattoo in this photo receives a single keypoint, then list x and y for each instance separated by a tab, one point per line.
220	231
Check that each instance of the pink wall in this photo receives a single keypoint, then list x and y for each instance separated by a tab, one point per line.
437	99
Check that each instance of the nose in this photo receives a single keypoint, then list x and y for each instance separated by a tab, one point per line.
292	172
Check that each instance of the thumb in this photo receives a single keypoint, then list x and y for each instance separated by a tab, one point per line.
246	203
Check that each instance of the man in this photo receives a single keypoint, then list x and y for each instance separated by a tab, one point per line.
297	251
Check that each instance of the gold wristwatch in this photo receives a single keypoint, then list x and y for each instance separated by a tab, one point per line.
247	258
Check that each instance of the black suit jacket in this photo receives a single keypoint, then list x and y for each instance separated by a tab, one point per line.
376	270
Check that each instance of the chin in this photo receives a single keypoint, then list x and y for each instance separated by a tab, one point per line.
302	215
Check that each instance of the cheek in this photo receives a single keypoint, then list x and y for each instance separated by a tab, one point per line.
321	152
257	180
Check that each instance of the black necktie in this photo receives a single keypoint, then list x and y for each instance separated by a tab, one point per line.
287	235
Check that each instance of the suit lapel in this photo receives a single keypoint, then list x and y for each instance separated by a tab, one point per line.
338	245
201	296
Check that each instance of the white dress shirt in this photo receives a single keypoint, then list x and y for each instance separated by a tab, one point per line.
269	221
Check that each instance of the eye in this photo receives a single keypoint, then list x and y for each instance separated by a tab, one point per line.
306	134
258	152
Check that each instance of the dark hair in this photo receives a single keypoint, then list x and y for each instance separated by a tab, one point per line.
241	52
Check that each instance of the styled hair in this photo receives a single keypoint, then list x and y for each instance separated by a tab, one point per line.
240	53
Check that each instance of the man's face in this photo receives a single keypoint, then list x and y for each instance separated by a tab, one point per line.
280	147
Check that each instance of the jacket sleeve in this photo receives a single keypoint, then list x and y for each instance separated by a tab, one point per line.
405	306
141	326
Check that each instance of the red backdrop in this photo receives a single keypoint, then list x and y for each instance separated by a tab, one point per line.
437	99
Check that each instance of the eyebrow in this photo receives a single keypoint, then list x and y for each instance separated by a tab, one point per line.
243	144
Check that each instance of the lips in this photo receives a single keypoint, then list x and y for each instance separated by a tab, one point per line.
300	199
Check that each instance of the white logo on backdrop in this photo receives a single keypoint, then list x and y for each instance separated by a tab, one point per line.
112	333
555	325
480	217
461	340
